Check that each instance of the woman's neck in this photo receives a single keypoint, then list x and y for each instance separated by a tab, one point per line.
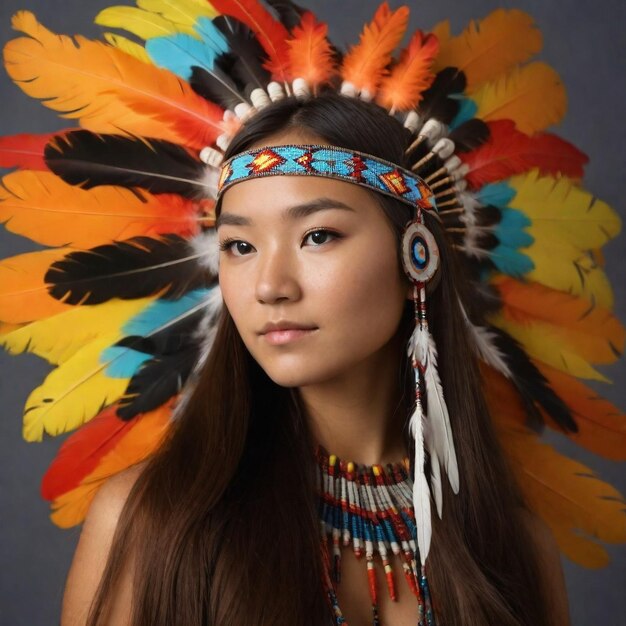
359	416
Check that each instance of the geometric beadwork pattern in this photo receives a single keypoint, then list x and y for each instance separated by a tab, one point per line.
330	162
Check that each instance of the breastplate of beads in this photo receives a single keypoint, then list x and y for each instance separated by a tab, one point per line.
370	507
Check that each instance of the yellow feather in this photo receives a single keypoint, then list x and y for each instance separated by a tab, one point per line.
139	443
573	501
72	393
532	96
138	22
60	337
578	507
486	49
560	210
179	12
545	343
127	46
561	266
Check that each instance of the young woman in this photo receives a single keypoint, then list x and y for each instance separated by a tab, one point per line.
222	525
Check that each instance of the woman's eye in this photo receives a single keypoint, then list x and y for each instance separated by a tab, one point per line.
236	246
320	236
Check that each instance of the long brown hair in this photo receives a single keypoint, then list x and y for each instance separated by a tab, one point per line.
223	521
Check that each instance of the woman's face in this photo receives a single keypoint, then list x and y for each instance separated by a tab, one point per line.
317	254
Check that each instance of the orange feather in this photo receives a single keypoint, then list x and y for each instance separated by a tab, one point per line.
490	47
23	294
590	331
601	425
310	54
402	89
41	206
138	442
272	35
570	498
366	63
108	90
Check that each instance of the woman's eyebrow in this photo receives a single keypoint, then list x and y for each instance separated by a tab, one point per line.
294	212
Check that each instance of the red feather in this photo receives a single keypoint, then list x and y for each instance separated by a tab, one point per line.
25	150
509	152
80	453
272	35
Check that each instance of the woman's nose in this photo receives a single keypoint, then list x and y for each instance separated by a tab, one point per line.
277	277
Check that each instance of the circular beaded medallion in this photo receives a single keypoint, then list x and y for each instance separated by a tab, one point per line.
420	253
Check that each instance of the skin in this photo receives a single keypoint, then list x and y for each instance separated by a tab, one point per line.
351	288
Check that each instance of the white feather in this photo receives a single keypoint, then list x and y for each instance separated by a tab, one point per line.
421	492
438	417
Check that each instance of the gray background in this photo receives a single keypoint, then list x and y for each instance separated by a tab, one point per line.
584	41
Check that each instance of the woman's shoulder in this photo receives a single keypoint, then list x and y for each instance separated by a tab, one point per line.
93	549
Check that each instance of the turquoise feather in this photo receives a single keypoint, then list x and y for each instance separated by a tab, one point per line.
496	194
124	362
180	52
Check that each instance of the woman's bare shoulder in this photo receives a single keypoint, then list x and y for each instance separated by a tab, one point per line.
92	552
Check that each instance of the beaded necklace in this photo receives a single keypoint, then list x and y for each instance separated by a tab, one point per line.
370	507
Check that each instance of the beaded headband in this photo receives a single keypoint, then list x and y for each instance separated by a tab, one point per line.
330	162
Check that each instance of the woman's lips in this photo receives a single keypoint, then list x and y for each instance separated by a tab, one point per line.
281	337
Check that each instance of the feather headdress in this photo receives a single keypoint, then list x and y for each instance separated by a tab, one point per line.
130	192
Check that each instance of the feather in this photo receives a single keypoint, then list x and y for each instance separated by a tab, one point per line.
365	64
567	495
23	294
272	35
506	356
508	151
402	89
310	53
96	375
601	425
559	329
560	210
80	452
166	337
217	87
440	100
24	151
289	13
416	350
143	24
575	324
532	96
106	89
42	207
129	47
490	47
72	393
89	160
244	62
179	53
179	12
61	336
142	439
169	266
469	135
438	417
